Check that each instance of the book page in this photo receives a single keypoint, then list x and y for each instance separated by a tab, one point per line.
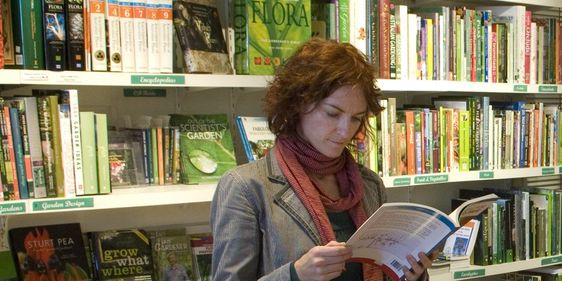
396	230
472	208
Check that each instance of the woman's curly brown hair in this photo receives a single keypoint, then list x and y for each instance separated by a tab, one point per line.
317	69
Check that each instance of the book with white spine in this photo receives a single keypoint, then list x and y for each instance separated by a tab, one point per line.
166	36
139	31
127	35
152	35
97	35
113	35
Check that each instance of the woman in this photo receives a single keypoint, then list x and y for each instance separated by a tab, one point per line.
280	217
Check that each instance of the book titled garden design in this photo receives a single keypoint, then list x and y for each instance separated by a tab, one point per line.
206	147
397	230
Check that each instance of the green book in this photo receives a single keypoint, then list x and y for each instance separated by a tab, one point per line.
171	251
104	180
206	147
89	158
28	34
268	32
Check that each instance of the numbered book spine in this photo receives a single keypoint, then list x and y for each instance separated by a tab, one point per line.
75	35
89	158
113	35
127	35
66	150
152	30
166	36
97	35
102	152
54	32
139	31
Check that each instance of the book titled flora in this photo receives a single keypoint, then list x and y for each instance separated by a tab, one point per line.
171	251
124	255
200	36
268	32
49	252
206	147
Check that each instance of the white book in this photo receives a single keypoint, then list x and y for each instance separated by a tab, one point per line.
139	33
358	25
402	42
97	35
66	150
413	22
102	153
152	34
166	36
76	140
113	35
127	35
534	42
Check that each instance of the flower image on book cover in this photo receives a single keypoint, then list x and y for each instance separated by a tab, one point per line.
206	147
199	33
50	252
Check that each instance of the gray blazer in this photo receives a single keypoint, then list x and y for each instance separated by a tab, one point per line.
260	226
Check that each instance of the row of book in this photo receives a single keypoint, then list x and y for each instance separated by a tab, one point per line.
50	149
481	44
457	134
63	252
548	273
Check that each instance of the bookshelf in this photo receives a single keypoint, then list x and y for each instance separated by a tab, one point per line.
188	204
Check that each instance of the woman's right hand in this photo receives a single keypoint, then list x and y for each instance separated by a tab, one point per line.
323	262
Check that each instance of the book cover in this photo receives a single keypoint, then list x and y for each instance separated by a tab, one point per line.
256	137
199	32
75	35
206	146
49	252
202	248
54	30
124	255
122	164
267	33
171	251
397	230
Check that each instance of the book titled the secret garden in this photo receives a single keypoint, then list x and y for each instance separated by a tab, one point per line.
206	147
268	32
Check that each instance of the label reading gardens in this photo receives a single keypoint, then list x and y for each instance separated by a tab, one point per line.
12	208
47	205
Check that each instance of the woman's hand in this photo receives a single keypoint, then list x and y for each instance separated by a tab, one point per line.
323	262
418	268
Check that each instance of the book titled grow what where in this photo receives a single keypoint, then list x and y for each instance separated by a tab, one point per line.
206	147
399	229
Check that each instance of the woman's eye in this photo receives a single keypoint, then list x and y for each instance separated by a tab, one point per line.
331	114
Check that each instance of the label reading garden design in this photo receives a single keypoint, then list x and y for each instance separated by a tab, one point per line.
62	204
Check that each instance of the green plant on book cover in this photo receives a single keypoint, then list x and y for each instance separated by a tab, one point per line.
268	32
206	147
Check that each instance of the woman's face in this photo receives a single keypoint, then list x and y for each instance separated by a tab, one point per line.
331	124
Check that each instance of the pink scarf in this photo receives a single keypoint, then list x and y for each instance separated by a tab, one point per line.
296	157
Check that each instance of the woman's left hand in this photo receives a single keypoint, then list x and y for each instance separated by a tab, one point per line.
418	267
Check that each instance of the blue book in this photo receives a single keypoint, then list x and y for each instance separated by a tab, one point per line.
18	152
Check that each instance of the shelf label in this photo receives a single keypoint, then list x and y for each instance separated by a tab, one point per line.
431	179
34	76
548	89
63	204
161	93
65	77
486	175
551	260
12	208
469	273
402	181
520	88
548	171
157	79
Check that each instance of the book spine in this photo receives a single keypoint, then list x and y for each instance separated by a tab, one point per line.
87	37
240	22
165	36
527	47
54	32
384	39
11	164
28	34
127	35
154	154
46	136
160	153
76	37
176	170
23	131
343	21
392	41
1	41
18	152
147	156
89	158
69	188
152	35
167	153
98	35
5	168
104	179
57	148
113	35
76	141
139	33
35	150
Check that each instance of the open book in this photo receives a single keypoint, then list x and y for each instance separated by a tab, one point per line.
396	230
